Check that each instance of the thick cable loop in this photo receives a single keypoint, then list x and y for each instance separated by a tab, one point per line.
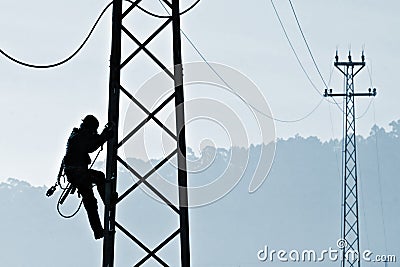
66	190
164	16
53	65
29	65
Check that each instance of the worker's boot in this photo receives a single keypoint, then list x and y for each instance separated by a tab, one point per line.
98	233
90	205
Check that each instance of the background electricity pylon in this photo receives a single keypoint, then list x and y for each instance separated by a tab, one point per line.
115	89
350	225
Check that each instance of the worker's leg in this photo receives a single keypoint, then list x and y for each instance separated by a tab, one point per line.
83	182
90	204
98	178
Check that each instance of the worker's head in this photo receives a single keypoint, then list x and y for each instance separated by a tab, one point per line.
90	123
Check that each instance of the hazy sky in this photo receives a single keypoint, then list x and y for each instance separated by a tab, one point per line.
40	107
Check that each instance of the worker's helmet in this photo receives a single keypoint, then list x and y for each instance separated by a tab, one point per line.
90	122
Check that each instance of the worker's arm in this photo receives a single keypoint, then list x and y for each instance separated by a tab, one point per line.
98	140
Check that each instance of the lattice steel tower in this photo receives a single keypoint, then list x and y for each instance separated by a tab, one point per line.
350	225
115	88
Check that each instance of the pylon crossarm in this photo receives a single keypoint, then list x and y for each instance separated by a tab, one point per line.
340	69
364	94
140	244
328	94
362	66
348	63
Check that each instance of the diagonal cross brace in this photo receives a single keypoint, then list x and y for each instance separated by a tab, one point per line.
143	180
143	47
150	115
141	245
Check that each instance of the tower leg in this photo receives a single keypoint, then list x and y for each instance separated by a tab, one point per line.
181	142
112	145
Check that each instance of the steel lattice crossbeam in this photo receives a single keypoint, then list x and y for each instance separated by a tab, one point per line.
350	224
115	89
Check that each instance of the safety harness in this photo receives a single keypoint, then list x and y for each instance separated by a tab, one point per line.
67	190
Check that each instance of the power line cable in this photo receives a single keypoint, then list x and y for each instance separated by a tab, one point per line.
370	72
308	47
20	62
372	99
298	59
366	110
331	119
47	66
342	176
379	181
336	154
362	185
330	76
165	17
293	50
311	54
240	97
68	189
192	44
329	85
162	16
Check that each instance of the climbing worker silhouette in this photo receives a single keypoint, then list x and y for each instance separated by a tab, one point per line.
81	142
